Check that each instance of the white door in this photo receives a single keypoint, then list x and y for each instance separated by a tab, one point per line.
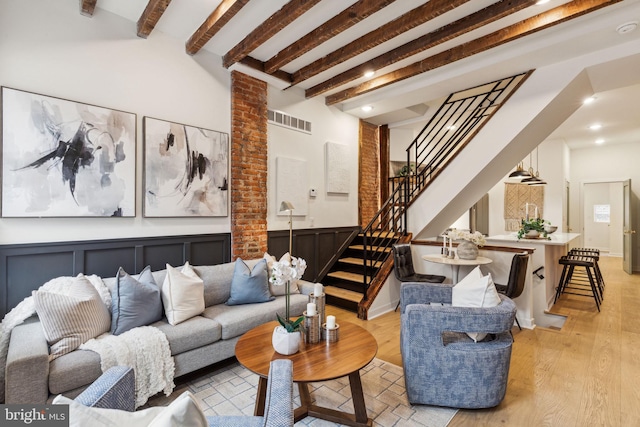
597	216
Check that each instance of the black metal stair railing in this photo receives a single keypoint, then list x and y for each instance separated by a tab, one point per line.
456	122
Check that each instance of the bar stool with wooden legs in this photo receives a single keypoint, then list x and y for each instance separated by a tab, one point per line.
577	285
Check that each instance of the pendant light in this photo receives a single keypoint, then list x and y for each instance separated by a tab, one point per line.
534	179
520	172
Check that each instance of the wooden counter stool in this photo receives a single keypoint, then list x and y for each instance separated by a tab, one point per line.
595	254
577	285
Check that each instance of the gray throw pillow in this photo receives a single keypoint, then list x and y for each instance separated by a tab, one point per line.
249	286
134	302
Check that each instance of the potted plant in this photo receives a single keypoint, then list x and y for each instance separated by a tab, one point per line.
286	337
533	229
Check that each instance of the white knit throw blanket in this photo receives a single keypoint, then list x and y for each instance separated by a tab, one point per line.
146	350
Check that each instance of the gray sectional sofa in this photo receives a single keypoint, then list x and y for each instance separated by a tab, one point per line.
196	343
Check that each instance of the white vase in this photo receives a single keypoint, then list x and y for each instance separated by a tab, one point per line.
284	342
467	250
532	234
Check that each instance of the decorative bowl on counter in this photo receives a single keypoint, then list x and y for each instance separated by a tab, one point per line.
550	228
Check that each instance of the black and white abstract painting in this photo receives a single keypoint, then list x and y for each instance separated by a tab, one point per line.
185	170
66	159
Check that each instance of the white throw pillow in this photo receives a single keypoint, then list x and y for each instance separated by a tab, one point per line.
279	290
182	294
184	411
70	319
475	291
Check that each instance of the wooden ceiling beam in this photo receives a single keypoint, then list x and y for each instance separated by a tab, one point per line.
403	23
558	15
87	7
150	16
226	10
259	65
448	32
263	32
334	26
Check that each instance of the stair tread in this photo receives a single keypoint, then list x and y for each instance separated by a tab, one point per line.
382	234
345	275
359	261
376	248
343	293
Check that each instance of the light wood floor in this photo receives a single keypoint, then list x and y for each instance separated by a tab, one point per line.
586	374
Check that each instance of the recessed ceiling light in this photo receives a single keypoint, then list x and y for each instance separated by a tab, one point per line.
595	126
600	141
367	108
627	27
588	100
369	74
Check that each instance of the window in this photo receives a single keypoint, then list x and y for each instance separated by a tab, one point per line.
602	213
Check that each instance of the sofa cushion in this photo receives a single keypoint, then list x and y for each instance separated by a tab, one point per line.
135	302
238	319
73	370
249	285
72	318
182	294
192	333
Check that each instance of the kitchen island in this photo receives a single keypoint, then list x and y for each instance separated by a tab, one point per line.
540	289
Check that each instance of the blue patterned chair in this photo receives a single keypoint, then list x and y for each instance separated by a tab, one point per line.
442	365
115	390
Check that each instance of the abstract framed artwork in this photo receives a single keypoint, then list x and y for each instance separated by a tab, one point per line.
63	158
185	170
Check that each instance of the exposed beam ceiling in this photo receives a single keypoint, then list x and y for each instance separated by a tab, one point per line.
528	26
324	47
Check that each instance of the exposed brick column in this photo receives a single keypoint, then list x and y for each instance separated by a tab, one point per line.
369	179
248	166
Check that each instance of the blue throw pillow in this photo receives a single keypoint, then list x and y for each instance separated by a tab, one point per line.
134	302
249	286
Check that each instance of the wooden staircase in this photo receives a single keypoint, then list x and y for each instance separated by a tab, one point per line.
344	283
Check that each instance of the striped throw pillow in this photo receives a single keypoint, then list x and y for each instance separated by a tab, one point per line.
70	319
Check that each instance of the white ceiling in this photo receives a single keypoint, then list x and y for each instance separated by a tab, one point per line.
405	103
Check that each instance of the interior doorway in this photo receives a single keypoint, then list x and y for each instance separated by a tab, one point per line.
602	219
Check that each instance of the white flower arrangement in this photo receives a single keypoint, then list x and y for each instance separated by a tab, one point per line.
476	237
283	272
287	270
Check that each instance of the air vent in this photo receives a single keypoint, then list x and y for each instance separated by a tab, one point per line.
285	120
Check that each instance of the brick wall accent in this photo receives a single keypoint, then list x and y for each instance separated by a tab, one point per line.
248	166
369	179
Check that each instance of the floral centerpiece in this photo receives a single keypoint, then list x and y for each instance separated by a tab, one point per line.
533	228
468	247
283	273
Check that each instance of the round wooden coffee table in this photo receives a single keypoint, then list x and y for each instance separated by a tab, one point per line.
355	348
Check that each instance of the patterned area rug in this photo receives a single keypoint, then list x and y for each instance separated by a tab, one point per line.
231	390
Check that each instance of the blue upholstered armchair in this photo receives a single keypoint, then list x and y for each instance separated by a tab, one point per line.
442	365
115	390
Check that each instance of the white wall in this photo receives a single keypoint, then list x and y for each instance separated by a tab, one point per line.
326	209
606	163
50	48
